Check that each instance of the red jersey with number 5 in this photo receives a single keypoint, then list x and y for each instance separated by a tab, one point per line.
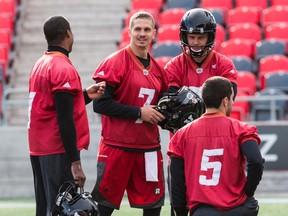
214	164
135	86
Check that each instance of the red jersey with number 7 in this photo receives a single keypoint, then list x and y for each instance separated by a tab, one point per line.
135	86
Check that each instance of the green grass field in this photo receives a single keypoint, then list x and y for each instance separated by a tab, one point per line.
266	209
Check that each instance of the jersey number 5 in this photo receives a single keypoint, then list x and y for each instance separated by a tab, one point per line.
215	166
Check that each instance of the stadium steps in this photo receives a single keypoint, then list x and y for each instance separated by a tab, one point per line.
96	26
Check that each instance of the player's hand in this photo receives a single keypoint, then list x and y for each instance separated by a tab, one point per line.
95	91
78	173
151	115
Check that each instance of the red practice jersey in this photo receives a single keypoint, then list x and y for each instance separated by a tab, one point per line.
52	73
183	71
135	86
214	165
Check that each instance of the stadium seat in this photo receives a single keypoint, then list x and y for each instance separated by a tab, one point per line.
166	48
147	4
240	109
277	80
220	33
168	32
172	16
246	82
122	44
279	2
8	7
5	38
274	14
224	5
186	4
269	64
276	31
249	31
269	47
260	4
7	23
163	60
238	47
261	110
218	15
124	34
243	63
243	15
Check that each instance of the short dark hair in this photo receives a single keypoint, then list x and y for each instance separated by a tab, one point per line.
214	90
141	15
55	29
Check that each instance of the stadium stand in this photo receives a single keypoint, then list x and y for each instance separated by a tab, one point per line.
279	2
168	33
262	110
157	5
246	82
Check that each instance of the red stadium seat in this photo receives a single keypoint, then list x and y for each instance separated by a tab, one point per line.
124	34
260	4
122	44
276	31
269	64
279	2
172	16
246	82
4	59
7	23
240	109
243	15
249	31
220	33
8	7
238	47
153	12
274	14
168	32
147	4
163	60
5	38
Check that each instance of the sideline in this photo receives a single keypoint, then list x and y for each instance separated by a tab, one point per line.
15	204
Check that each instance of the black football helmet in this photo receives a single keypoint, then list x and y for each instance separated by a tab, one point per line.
73	201
180	108
197	21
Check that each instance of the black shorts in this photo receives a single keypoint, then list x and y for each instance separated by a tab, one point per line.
249	208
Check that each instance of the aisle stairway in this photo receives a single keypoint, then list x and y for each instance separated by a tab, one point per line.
96	26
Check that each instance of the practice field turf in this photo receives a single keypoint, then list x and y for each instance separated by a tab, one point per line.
268	207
